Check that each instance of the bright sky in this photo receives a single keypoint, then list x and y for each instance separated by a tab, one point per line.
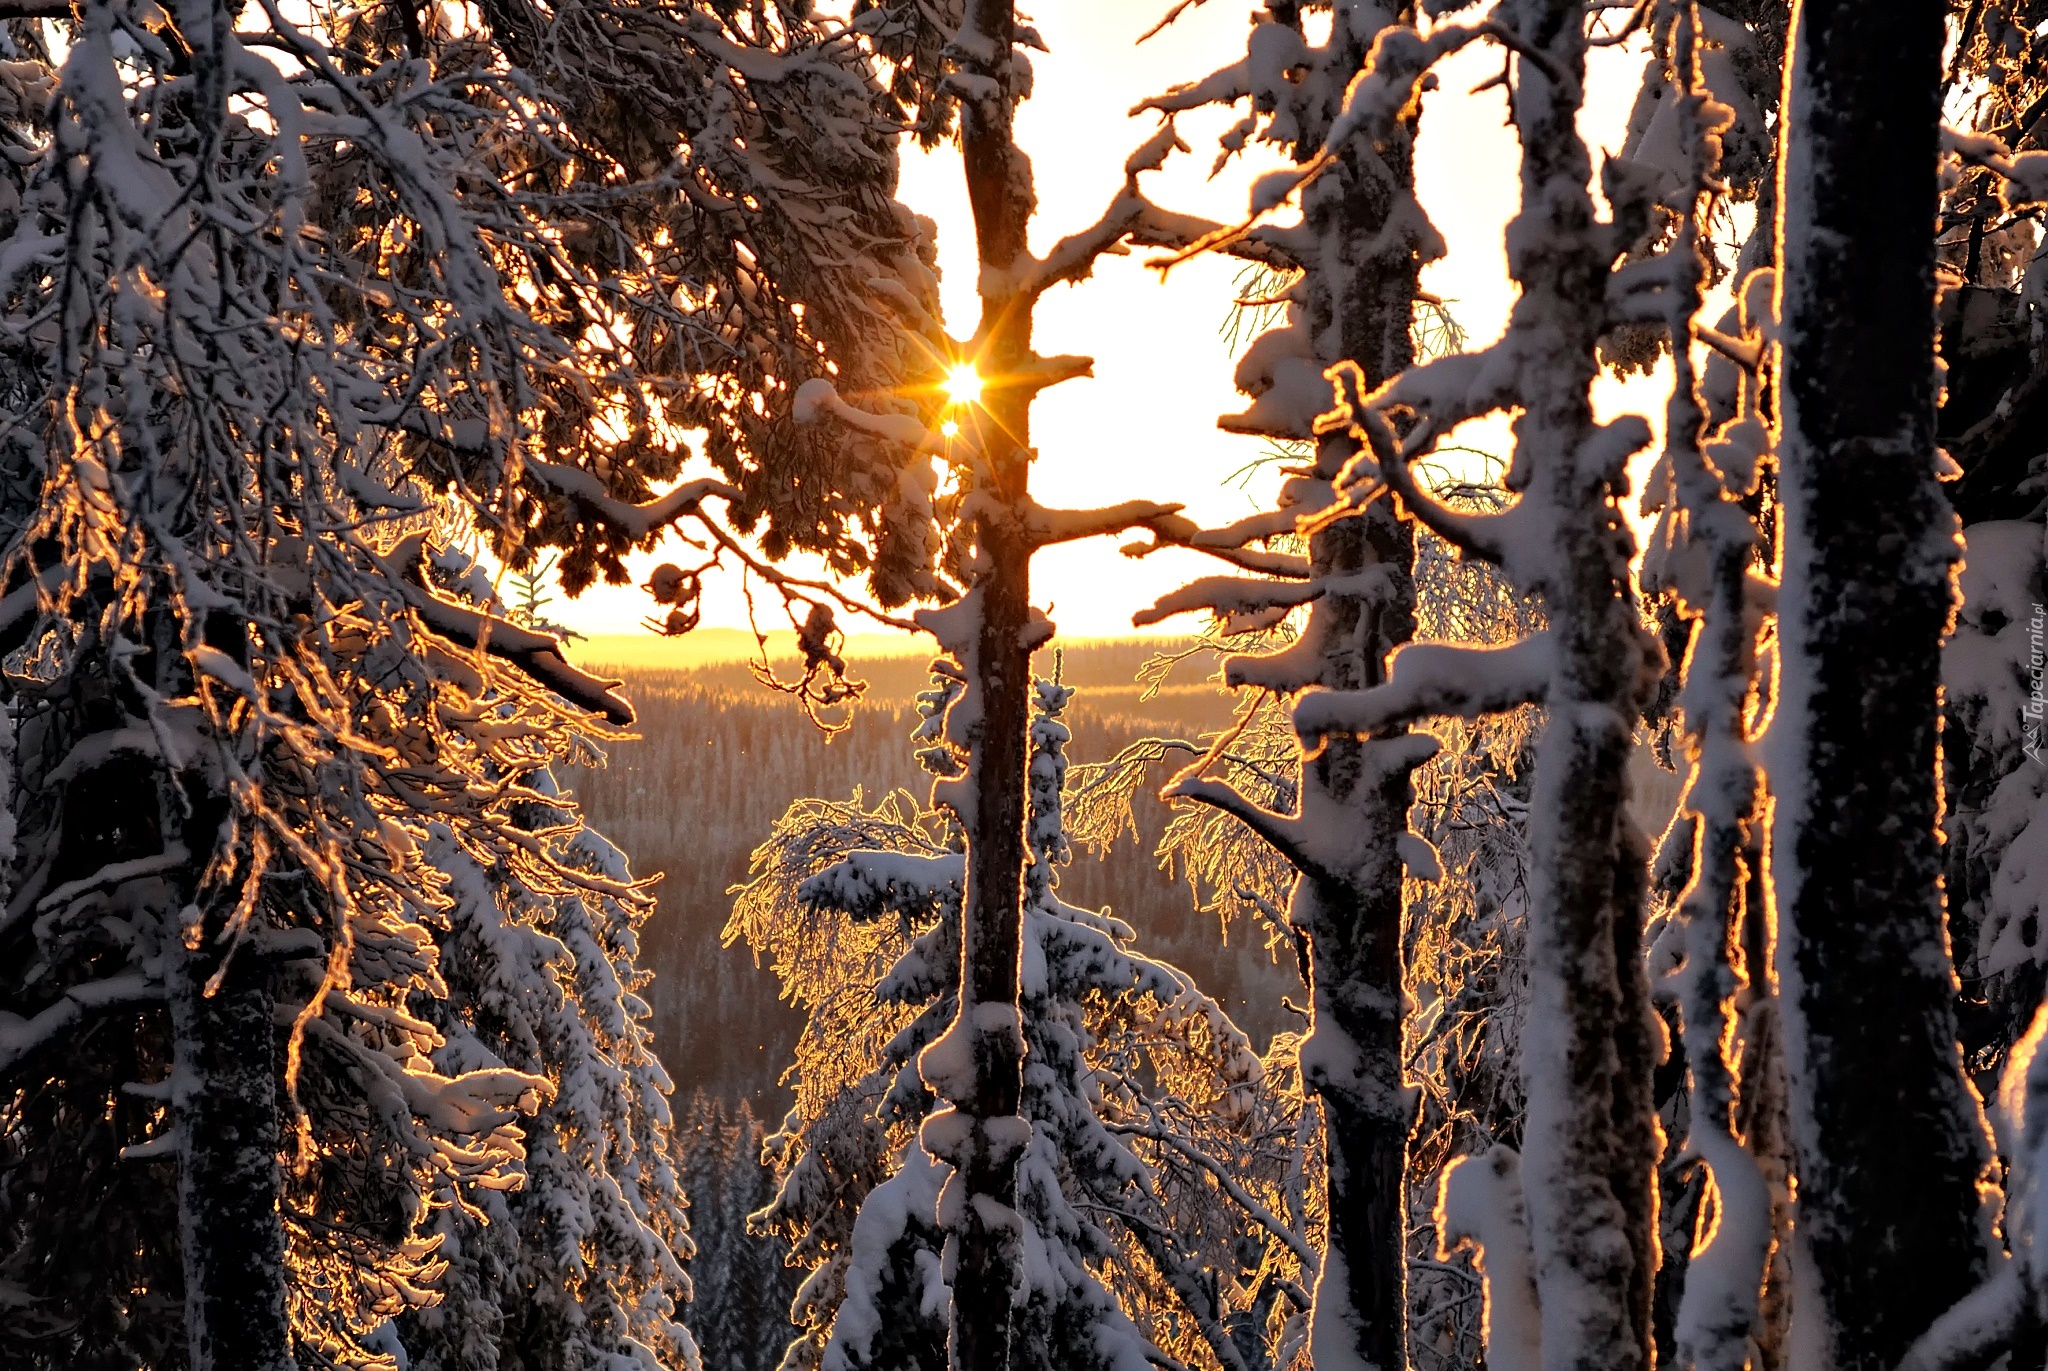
1145	425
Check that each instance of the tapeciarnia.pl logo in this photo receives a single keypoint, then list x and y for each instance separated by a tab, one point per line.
2031	710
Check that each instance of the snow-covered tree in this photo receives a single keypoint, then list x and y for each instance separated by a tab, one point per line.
1151	1169
1463	933
202	745
581	1265
248	708
1706	558
1590	1140
970	63
1349	280
742	1289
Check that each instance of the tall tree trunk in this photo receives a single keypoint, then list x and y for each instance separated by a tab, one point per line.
1592	1140
988	1270
224	1074
1363	297
1888	1135
229	1182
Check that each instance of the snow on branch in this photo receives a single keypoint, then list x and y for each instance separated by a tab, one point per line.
1377	98
1074	257
1048	526
1230	596
536	654
2022	178
1175	231
1434	678
866	885
638	521
1223	544
21	1037
1977	1328
1285	833
1225	86
1386	461
818	399
1480	1202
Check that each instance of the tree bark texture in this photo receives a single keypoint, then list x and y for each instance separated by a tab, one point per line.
1362	295
1591	1142
1888	1135
988	1272
229	1181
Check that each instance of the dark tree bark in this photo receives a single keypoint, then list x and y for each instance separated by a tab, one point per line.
1000	194
1888	1136
229	1181
224	1092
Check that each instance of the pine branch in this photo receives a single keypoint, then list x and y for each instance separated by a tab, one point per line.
536	654
21	1038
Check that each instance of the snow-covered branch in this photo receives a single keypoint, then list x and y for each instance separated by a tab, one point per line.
1046	527
1435	678
1230	596
1978	1327
1285	833
21	1038
1225	546
818	399
2022	177
538	655
638	521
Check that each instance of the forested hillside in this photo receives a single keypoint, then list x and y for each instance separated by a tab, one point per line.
717	759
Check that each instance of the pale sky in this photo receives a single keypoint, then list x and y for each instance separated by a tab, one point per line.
1145	425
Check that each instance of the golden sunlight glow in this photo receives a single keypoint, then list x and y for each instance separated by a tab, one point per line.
963	384
950	428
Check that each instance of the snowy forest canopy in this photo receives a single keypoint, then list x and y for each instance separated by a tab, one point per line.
325	1034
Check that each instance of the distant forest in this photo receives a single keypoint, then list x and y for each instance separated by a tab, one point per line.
717	759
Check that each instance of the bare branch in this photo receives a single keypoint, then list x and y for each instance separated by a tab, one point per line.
1266	1218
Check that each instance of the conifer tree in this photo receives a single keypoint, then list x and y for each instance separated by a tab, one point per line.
742	1287
1349	282
582	1264
244	698
1590	1141
1099	1021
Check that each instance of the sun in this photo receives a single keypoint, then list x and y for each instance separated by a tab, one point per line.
963	384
